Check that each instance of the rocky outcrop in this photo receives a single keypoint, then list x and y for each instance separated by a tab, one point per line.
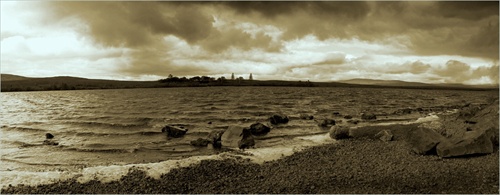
174	131
306	117
237	137
339	132
201	142
278	119
424	140
385	135
259	129
368	116
473	142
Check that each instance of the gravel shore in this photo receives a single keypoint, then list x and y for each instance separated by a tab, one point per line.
361	165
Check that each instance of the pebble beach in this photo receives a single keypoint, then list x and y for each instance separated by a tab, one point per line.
359	165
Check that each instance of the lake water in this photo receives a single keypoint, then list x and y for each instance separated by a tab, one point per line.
122	128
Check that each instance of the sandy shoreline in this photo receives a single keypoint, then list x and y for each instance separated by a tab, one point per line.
361	165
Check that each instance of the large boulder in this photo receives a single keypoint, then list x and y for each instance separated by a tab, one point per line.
259	129
385	135
424	140
278	119
237	137
174	131
339	132
368	116
473	142
215	138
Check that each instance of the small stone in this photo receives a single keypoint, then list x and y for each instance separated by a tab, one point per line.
49	136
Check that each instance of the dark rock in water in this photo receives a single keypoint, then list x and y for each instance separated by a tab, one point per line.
209	122
368	116
306	117
470	122
201	142
424	140
326	123
473	142
348	117
215	137
50	142
353	121
403	111
384	135
336	113
278	119
259	129
339	132
49	136
237	137
174	131
247	139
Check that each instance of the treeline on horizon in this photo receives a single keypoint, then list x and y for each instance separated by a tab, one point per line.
200	81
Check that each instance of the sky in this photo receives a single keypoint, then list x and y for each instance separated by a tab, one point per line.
426	41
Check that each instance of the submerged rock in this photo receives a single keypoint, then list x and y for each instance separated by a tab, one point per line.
326	122
278	119
49	136
348	117
368	116
385	135
50	142
247	139
306	117
174	131
201	142
339	132
259	129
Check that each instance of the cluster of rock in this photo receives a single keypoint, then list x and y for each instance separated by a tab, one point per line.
232	137
472	131
48	140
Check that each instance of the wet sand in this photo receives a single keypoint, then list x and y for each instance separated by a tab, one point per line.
360	165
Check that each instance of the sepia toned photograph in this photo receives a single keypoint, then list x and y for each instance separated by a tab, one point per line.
249	97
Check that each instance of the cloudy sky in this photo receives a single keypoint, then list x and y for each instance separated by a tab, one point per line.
433	42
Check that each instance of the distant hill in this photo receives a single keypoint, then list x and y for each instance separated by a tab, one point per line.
11	82
11	77
397	83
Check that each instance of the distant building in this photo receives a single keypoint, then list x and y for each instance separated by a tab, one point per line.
250	77
232	76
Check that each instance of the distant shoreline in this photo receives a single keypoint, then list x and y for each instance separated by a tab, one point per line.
73	83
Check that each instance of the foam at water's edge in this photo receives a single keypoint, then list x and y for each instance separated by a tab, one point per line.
155	170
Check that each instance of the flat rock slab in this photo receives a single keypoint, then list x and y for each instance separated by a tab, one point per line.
174	131
473	142
237	137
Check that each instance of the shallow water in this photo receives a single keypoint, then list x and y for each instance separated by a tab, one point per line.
106	128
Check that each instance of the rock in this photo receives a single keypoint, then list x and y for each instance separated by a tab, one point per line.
368	116
306	117
436	126
215	138
473	142
326	122
336	113
424	140
353	121
348	117
339	132
201	142
278	119
259	129
49	136
384	135
50	142
236	137
247	139
174	131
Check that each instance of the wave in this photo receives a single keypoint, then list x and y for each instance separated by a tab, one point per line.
24	129
145	133
109	125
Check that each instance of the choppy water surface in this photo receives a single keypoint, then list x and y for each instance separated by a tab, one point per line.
119	127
